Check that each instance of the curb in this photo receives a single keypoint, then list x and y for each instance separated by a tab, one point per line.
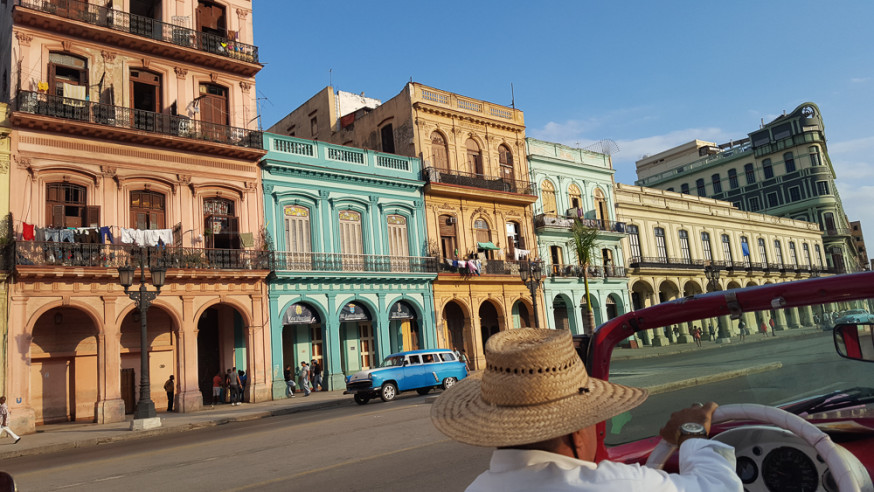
656	352
685	383
127	435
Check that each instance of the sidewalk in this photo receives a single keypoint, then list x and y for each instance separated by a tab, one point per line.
677	348
60	437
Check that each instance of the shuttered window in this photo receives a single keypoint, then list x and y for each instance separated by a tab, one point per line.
397	235
297	229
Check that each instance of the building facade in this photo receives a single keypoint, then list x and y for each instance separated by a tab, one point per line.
859	243
6	236
477	196
781	169
352	280
672	238
133	144
577	184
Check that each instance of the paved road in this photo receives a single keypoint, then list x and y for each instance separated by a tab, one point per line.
389	446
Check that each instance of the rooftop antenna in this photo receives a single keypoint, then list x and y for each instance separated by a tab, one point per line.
605	146
330	77
258	105
512	97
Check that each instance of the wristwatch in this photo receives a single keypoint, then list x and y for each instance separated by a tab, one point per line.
690	430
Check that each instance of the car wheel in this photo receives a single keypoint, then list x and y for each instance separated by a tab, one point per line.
361	399
423	391
389	392
448	383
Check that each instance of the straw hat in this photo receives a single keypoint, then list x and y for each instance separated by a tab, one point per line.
534	388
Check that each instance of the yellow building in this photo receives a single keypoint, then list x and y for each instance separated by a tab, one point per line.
477	198
5	236
673	238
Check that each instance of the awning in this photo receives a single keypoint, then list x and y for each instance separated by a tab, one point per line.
488	245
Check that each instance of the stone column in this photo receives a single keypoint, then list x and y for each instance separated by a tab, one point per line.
658	334
780	320
807	317
333	371
793	319
110	405
685	332
22	416
277	368
723	329
189	398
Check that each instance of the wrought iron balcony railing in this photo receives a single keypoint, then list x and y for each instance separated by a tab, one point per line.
284	261
145	27
554	220
594	271
486	267
665	262
39	103
496	183
64	254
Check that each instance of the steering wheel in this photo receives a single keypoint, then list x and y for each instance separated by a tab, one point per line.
819	440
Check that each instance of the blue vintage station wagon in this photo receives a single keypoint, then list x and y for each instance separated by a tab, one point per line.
419	370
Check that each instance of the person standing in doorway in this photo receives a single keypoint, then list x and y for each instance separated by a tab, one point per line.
4	421
233	382
217	388
303	378
170	388
316	371
244	380
289	383
712	331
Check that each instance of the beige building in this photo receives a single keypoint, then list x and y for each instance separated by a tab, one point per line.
6	235
477	196
672	237
859	243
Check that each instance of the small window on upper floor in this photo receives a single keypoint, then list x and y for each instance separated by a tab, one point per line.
822	188
699	184
387	136
773	200
789	161
717	184
575	196
767	169
815	159
684	188
755	206
795	193
732	179
505	158
750	174
314	127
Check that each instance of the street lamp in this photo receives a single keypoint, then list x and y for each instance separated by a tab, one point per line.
712	275
531	272
143	299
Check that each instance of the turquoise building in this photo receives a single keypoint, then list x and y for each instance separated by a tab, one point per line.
352	282
577	183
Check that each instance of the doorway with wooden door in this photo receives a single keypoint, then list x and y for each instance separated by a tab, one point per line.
213	105
145	100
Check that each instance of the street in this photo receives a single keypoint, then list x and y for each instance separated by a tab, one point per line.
393	446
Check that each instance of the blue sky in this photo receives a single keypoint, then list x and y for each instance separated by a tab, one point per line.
648	75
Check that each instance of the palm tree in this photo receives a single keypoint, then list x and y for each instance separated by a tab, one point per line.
584	243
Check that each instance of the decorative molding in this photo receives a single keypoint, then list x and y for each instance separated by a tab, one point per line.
242	13
67	45
181	73
146	62
23	38
108	57
268	189
245	86
251	185
213	77
324	194
183	179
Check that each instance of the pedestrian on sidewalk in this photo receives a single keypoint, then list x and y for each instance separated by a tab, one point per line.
170	388
4	421
303	378
742	329
217	388
463	358
316	371
696	334
233	382
712	331
289	382
763	329
244	380
771	322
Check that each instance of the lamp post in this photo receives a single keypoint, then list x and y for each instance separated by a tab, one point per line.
712	275
143	299
531	272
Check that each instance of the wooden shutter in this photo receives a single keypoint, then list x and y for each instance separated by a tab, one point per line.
234	230
92	218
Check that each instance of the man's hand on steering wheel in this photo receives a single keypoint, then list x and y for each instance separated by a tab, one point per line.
695	414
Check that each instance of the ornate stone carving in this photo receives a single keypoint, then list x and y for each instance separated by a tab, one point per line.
251	185
184	179
181	73
324	194
242	13
245	86
23	162
213	77
268	189
108	57
109	171
67	45
23	38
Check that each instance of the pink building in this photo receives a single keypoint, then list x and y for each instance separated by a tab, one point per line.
137	118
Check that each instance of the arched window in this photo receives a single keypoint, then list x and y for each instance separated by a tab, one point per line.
298	238
483	237
439	153
767	169
147	210
601	212
684	246
661	247
222	224
66	206
397	235
634	242
575	198
68	76
351	241
474	158
547	197
505	158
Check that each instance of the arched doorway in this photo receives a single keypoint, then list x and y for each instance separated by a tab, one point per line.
612	307
453	326
221	345
488	321
63	367
357	341
522	316
404	331
162	356
302	337
560	313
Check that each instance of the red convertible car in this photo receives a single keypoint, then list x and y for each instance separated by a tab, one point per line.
796	402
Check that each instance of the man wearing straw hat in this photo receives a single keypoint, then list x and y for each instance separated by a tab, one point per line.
537	405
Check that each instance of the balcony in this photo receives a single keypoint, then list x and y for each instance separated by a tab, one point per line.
129	31
837	231
73	116
487	267
594	271
434	176
350	263
665	262
567	221
85	255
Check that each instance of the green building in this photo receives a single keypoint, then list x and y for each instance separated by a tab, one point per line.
352	279
577	183
781	169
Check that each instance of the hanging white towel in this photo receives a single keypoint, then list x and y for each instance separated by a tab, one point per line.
76	92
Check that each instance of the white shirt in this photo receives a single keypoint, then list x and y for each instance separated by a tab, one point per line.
704	465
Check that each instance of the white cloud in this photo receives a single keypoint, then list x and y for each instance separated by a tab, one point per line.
859	80
854	167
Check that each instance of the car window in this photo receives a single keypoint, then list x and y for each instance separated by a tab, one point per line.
428	358
393	362
448	356
414	359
